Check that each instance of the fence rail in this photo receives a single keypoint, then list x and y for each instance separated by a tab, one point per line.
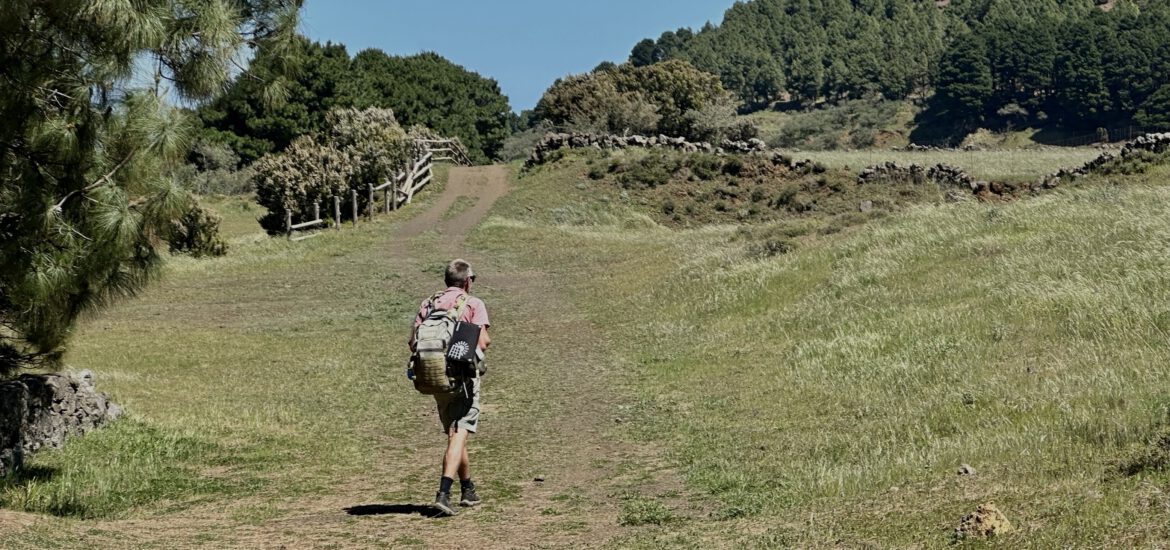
396	192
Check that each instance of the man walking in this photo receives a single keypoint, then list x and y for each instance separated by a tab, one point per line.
458	410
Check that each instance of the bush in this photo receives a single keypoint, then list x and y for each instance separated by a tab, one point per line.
362	147
824	128
372	139
655	170
196	233
705	166
306	174
214	169
717	121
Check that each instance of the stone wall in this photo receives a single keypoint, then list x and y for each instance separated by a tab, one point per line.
38	411
1149	143
556	141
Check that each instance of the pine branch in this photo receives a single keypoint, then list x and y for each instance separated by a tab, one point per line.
100	182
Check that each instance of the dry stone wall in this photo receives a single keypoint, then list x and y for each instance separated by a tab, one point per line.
38	411
959	185
1149	143
555	141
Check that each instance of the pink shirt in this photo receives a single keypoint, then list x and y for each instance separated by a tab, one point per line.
475	312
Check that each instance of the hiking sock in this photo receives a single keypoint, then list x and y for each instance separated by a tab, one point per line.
445	485
465	484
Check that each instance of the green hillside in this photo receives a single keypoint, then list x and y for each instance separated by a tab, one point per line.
824	396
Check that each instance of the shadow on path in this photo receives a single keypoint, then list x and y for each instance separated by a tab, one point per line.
393	509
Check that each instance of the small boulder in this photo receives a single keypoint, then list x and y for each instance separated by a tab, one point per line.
986	522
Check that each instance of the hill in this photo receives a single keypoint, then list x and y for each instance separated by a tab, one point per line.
722	397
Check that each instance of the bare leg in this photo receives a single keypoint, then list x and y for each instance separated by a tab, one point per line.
454	461
465	465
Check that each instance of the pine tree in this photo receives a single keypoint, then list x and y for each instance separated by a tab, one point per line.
964	79
86	141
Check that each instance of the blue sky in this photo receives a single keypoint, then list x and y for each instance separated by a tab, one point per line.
523	44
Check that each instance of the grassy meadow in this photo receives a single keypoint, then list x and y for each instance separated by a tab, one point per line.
679	391
829	396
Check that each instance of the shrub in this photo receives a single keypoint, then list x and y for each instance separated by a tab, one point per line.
196	233
733	166
362	147
372	139
655	170
706	167
668	207
214	169
305	174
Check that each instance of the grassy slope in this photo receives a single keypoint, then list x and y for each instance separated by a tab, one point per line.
231	371
835	391
819	398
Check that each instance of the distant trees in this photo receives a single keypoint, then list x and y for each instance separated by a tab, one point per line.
653	99
88	146
246	119
964	80
423	89
428	90
770	50
1081	69
993	62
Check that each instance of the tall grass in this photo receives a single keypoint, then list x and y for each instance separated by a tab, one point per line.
848	380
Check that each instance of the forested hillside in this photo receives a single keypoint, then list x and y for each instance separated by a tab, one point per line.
992	62
423	89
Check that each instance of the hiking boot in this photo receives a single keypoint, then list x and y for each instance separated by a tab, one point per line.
469	498
443	504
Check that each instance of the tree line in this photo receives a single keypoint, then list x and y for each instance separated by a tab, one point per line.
1065	62
423	89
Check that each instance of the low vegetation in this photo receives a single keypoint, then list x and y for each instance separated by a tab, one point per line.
849	379
842	375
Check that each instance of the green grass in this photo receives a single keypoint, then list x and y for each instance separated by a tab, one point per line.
856	124
820	398
848	380
255	375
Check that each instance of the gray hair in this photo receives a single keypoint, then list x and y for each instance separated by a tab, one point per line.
458	273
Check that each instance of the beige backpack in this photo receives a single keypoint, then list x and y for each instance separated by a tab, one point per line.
431	339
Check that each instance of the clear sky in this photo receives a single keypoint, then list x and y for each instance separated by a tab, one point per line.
523	44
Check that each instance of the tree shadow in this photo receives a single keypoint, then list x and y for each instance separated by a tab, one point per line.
394	509
25	475
934	127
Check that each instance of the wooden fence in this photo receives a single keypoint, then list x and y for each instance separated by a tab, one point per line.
395	192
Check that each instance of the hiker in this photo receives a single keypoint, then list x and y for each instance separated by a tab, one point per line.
458	404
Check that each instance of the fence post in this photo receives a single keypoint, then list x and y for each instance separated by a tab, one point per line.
353	201
370	200
336	212
394	193
288	223
316	211
386	199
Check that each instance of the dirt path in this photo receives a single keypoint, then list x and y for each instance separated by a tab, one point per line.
551	460
549	415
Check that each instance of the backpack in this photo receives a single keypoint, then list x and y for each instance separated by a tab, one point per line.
431	340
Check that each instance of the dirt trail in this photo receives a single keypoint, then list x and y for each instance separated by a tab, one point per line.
549	414
484	184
